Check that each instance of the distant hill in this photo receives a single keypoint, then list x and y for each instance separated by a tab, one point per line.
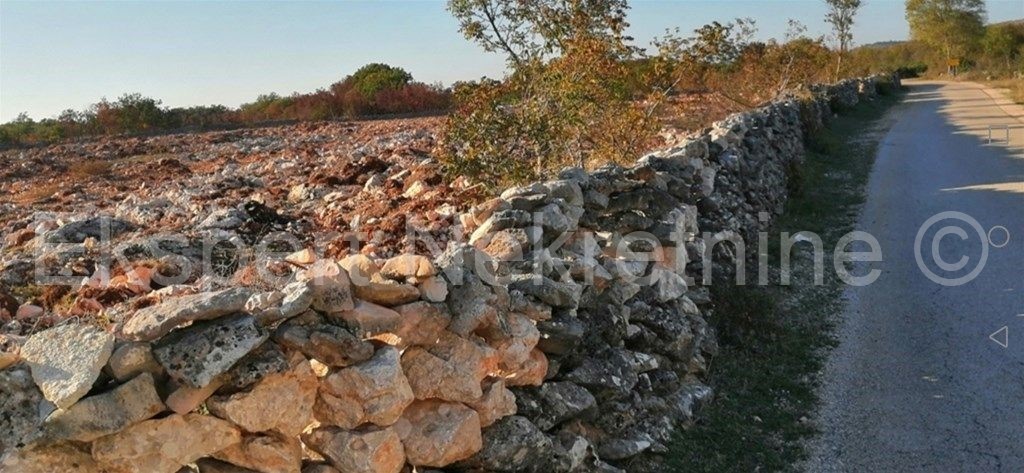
1018	22
885	44
882	44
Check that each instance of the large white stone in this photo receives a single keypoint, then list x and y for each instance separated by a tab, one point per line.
66	360
156	321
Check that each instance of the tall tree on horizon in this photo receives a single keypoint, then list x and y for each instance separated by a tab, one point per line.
954	27
840	15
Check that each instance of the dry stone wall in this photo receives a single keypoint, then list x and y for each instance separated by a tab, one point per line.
566	335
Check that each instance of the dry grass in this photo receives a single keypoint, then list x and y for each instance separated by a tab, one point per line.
1014	88
90	168
147	158
36	194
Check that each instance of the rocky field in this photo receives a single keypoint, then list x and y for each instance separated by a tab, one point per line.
319	298
336	183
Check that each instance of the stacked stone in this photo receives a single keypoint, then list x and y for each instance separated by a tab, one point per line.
357	365
866	87
565	336
843	95
625	341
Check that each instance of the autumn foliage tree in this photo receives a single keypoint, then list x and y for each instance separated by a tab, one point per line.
569	100
723	59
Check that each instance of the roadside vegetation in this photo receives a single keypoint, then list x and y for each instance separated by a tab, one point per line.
1014	88
581	93
948	34
774	340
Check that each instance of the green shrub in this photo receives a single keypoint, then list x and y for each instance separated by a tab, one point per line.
571	99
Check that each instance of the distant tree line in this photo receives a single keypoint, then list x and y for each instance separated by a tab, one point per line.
948	34
373	90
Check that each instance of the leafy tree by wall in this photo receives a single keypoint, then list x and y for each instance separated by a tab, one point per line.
952	27
841	14
569	100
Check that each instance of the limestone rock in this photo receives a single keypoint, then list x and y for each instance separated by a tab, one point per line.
264	453
298	296
164	445
107	413
156	321
374	391
531	373
370	450
512	244
306	255
548	291
280	401
515	342
210	465
131	359
387	293
326	343
332	290
370	318
451	370
471	306
23	408
560	335
198	353
360	268
257	364
406	266
437	433
421	323
497	402
433	289
611	375
263	301
63	458
553	403
185	398
100	228
621	449
533	310
66	360
512	444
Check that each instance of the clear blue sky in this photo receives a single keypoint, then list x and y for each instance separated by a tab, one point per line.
58	55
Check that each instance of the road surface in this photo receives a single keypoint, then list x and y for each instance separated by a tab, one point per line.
917	383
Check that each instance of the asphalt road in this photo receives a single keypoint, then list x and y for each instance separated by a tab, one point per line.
916	383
